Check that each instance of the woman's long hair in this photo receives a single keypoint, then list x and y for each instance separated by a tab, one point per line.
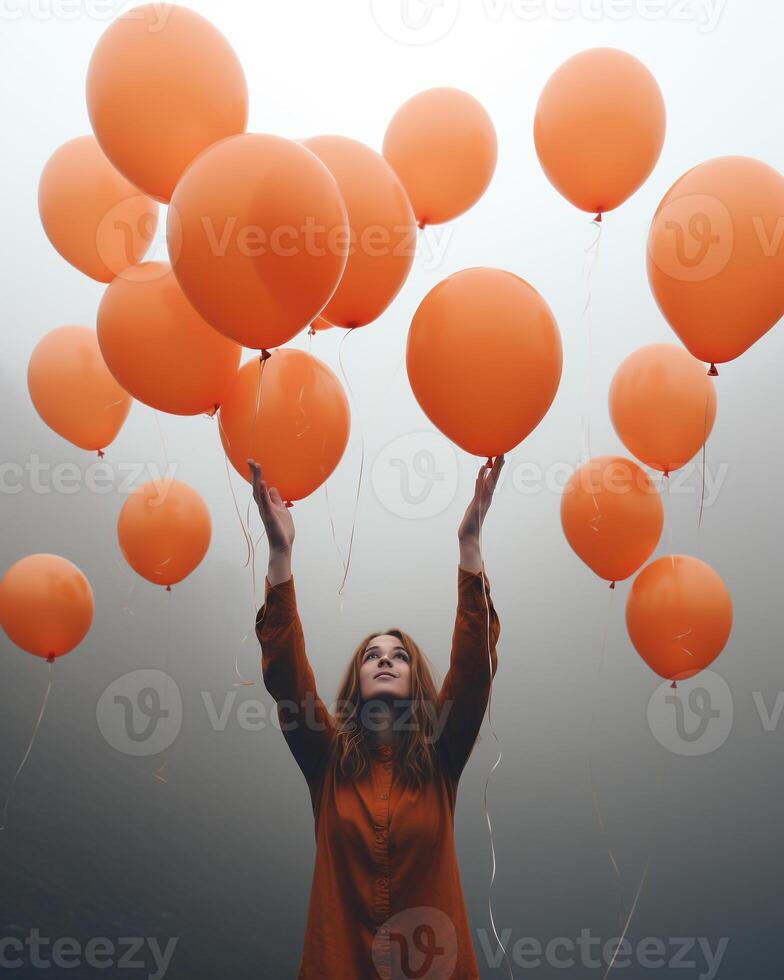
416	749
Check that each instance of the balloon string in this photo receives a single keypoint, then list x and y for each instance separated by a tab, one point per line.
163	442
29	749
591	737
497	762
361	465
590	259
332	526
263	358
704	453
665	482
158	774
245	533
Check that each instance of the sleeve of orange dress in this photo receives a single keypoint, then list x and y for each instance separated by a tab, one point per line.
464	694
304	719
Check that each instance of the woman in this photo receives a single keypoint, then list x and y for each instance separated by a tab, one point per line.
383	770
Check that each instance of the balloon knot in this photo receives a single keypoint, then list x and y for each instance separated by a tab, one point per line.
612	584
598	219
674	685
421	225
100	454
213	410
312	331
50	658
168	588
712	372
264	354
489	463
666	474
289	503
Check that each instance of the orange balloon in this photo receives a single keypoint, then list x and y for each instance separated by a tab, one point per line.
612	516
714	261
46	605
162	85
679	616
73	390
95	218
164	530
259	254
484	359
301	428
443	147
321	324
663	405
159	348
599	128
382	228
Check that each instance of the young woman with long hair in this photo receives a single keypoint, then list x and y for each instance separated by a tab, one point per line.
383	769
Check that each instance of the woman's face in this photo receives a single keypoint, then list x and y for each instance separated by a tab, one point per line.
385	669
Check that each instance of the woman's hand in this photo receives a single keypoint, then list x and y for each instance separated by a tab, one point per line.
278	524
470	526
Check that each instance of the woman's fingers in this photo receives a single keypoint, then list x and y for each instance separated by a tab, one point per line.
275	496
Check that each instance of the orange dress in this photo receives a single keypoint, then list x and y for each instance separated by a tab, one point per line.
386	901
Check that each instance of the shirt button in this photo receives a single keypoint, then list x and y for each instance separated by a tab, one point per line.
384	796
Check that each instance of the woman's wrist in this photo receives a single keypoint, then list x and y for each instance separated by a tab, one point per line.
470	554
279	568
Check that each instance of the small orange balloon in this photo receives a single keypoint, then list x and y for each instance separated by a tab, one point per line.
159	348
599	128
714	261
73	390
294	420
663	405
443	147
612	516
321	324
162	85
260	254
382	229
95	218
46	605
679	616
164	530
484	359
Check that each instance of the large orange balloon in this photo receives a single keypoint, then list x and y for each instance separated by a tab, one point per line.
663	405
73	390
599	128
163	84
679	616
159	348
95	218
46	605
382	228
258	238
301	428
443	147
612	516
164	530
715	264
484	359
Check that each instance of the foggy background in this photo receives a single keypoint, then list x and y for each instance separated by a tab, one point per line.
219	856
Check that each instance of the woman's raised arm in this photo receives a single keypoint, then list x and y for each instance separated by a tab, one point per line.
304	719
473	661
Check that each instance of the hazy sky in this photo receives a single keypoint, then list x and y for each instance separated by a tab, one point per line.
219	856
